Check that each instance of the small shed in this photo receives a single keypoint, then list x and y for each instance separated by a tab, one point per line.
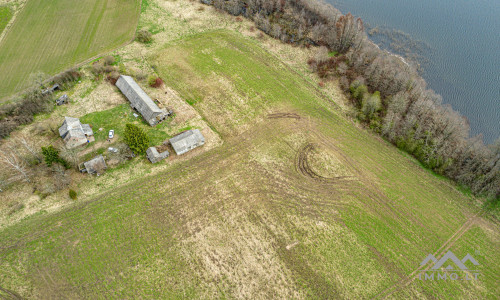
51	89
186	141
64	99
54	87
97	165
154	156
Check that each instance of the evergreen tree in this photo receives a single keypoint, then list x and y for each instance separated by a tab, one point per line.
136	139
51	156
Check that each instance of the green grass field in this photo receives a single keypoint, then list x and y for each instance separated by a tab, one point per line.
51	36
5	16
297	203
116	118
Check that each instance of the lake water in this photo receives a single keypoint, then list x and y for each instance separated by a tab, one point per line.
463	53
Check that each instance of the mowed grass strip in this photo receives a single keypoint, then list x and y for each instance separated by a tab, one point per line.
51	36
240	221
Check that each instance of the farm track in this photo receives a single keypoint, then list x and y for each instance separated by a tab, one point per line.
438	254
9	295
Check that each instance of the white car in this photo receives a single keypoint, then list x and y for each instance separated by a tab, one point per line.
111	134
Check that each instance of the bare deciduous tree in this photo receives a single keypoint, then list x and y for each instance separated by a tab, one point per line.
17	166
30	147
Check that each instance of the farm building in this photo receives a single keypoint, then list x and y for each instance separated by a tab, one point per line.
187	141
62	100
75	133
97	165
154	156
51	89
140	101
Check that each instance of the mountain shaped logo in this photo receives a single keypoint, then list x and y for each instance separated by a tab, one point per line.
449	256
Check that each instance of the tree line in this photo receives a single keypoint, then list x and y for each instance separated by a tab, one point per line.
391	97
35	100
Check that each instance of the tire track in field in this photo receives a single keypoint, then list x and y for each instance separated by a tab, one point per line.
302	164
9	294
283	116
438	254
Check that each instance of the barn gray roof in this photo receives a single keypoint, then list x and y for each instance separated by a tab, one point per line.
139	99
96	165
187	140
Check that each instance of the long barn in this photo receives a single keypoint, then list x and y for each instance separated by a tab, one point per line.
140	101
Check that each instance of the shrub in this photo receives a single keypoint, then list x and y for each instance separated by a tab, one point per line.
155	82
6	127
136	139
97	68
151	80
113	77
144	36
67	77
109	69
72	194
109	60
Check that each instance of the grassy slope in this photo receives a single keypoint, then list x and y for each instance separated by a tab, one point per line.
5	16
51	36
241	220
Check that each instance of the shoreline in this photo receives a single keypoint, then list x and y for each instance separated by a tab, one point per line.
390	53
451	63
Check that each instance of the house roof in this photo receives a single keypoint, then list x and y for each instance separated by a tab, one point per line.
87	130
95	165
73	127
138	98
187	140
